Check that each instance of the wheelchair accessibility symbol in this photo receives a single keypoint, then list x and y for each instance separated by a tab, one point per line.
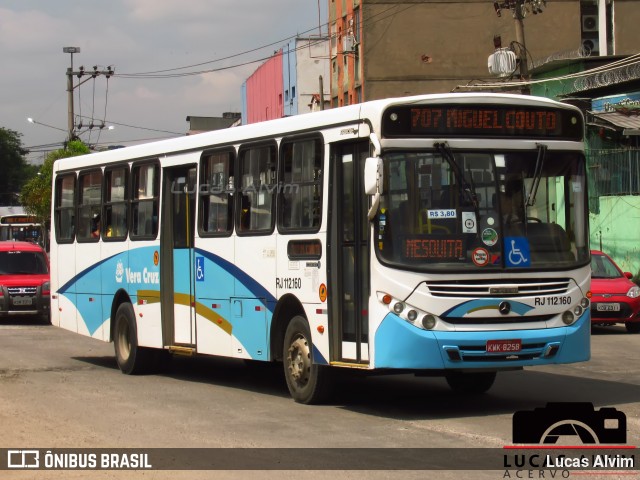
517	252
199	269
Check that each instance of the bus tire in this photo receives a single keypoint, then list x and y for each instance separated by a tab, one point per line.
308	382
478	382
131	358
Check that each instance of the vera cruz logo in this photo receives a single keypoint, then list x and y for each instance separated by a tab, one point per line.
570	424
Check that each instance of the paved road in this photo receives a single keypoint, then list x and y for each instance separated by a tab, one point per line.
62	390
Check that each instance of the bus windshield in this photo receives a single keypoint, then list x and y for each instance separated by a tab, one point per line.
446	209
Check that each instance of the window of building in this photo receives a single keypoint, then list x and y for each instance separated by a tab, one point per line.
65	211
144	201
300	204
257	176
89	206
216	194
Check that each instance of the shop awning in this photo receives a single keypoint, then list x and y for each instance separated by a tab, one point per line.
628	122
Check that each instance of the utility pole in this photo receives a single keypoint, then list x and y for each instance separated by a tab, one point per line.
518	16
519	9
70	87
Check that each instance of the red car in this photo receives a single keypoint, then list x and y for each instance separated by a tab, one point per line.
615	298
24	280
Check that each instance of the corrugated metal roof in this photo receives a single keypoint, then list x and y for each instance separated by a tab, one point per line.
628	122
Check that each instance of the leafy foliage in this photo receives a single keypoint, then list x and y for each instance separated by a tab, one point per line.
36	193
15	170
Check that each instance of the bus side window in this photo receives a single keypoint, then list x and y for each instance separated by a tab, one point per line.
301	192
216	193
144	200
89	205
258	187
65	208
115	208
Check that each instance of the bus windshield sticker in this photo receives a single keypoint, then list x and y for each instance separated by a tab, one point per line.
469	223
443	213
489	237
430	249
516	250
480	257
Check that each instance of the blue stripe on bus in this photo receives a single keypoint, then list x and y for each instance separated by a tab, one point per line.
93	275
74	280
258	291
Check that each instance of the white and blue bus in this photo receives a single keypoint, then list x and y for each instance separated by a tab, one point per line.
436	234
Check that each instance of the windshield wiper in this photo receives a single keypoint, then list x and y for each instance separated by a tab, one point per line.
537	175
468	188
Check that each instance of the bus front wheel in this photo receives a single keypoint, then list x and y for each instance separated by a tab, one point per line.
308	382
478	382
131	358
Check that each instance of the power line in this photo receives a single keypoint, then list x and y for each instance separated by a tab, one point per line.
159	74
142	128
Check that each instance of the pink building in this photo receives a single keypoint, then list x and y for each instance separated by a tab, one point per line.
263	92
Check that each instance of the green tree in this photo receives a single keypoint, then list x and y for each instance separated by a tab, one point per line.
35	196
15	169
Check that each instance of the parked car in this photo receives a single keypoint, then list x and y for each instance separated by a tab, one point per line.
614	297
24	280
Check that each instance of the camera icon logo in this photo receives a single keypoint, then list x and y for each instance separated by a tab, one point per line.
570	423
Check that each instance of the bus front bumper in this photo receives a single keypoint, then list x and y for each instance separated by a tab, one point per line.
399	345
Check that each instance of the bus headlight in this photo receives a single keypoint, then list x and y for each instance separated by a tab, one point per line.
418	318
568	318
428	321
584	303
577	311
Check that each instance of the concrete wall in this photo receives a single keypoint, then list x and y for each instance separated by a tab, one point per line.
626	18
312	62
434	46
618	224
290	79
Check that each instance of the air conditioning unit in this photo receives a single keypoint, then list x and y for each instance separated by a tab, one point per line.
589	23
349	43
591	46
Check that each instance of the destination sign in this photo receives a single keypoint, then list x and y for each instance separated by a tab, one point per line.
482	120
18	219
431	249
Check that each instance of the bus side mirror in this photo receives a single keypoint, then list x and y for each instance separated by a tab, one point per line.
373	182
373	176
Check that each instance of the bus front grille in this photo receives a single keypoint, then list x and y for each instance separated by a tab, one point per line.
490	288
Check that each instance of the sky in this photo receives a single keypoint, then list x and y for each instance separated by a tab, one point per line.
135	36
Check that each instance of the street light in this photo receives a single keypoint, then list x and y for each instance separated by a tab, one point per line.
31	120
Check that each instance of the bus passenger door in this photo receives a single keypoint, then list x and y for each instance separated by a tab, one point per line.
177	267
349	253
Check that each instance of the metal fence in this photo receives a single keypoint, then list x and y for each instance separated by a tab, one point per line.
612	172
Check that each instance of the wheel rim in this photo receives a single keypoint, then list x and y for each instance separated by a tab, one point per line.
299	360
124	341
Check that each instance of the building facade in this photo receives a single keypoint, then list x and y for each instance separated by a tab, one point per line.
287	83
384	48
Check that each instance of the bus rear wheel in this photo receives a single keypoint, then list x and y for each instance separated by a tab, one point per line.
131	358
308	382
477	382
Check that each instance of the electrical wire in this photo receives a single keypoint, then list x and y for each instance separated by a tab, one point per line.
143	128
632	60
160	74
